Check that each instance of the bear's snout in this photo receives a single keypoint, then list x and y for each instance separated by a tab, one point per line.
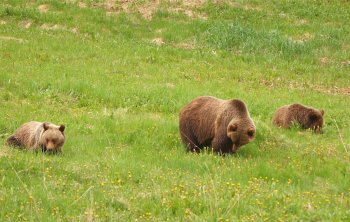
50	146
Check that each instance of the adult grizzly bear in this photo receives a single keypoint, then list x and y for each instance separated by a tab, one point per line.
224	125
306	117
34	135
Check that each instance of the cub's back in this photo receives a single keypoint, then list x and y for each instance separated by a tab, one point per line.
281	115
29	133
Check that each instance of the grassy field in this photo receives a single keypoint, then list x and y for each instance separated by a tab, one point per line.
116	73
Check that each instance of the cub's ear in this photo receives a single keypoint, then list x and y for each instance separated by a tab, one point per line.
46	126
322	112
62	127
313	117
232	128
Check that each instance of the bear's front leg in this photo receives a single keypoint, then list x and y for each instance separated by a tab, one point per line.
222	144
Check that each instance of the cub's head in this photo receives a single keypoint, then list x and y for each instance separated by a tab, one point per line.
314	120
52	139
241	133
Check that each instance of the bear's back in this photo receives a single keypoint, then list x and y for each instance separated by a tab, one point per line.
29	133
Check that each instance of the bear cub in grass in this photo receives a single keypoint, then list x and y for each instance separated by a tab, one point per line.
224	125
37	135
306	117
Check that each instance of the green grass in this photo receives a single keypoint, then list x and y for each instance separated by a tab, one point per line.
96	70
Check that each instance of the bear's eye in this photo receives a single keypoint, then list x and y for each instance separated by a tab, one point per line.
54	141
232	128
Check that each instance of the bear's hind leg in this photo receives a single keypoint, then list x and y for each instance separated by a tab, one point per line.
13	141
190	142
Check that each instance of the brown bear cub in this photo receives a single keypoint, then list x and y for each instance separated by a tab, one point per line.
224	125
36	135
306	117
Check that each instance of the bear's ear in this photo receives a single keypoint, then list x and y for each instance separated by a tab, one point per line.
62	127
232	128
313	117
322	112
46	126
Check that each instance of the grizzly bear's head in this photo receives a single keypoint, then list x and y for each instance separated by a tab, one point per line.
52	139
240	133
314	120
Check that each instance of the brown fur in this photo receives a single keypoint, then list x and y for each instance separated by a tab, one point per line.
304	116
224	125
35	135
